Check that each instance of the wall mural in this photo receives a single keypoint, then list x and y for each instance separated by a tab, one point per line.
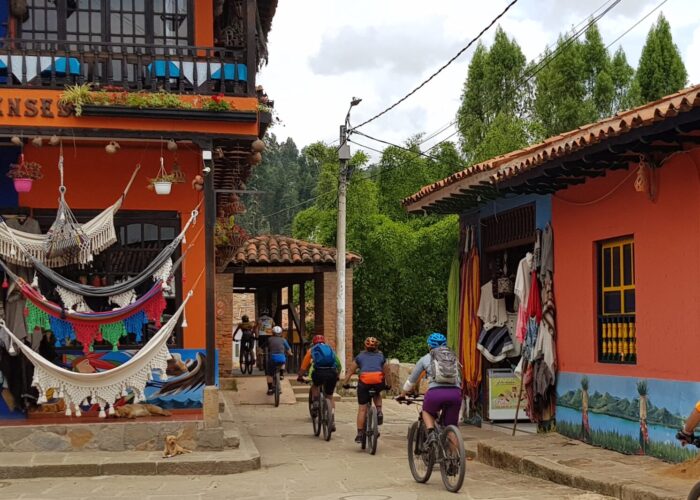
629	415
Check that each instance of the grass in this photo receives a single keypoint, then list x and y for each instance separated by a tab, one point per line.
626	444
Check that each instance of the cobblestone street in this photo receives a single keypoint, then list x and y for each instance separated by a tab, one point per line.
296	465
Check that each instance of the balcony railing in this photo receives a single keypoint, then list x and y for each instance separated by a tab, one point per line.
183	69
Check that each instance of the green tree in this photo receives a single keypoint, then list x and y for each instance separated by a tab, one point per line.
661	70
623	82
493	87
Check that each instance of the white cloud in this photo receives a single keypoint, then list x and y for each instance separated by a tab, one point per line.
324	52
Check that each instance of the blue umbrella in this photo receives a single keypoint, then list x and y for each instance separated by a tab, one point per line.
230	73
72	64
158	69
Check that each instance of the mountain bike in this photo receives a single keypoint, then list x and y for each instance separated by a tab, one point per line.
276	379
695	491
447	450
371	434
322	419
246	360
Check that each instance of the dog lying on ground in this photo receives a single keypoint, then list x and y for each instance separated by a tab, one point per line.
140	410
172	449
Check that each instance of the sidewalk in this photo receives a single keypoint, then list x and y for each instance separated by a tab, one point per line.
572	463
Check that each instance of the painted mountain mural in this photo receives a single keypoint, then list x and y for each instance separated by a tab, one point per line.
607	404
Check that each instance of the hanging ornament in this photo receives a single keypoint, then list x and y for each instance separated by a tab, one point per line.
5	284
38	141
172	145
219	153
16	140
198	183
258	146
255	158
178	174
55	140
163	182
112	147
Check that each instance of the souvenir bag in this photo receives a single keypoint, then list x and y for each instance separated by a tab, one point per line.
503	283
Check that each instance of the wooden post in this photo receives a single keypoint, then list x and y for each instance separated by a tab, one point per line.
520	395
210	272
302	311
251	44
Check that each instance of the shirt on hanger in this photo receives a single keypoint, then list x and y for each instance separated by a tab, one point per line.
492	311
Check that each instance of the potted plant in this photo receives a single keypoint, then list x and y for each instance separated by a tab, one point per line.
24	174
163	182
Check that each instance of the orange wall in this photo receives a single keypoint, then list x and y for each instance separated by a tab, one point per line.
204	23
666	236
95	180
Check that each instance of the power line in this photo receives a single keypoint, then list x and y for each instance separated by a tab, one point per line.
494	21
636	24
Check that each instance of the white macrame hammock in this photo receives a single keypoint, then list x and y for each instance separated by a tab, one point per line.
99	234
103	388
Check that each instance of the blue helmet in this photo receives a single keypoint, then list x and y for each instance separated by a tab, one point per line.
436	340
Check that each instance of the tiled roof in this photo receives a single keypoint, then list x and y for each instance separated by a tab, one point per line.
517	162
282	250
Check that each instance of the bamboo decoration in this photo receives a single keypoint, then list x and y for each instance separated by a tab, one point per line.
605	340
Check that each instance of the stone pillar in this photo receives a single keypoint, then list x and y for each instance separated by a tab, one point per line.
224	322
325	304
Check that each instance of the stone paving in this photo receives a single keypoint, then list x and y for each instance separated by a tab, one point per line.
296	465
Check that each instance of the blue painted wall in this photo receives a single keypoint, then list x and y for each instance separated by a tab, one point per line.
543	207
8	195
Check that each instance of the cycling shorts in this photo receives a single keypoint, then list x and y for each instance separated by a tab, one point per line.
274	361
327	378
363	395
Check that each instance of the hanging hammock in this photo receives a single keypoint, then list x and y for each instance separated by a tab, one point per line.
67	242
89	327
154	268
103	388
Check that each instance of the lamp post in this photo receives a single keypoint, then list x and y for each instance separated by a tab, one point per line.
344	157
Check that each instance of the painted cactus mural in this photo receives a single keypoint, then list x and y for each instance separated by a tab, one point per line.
626	414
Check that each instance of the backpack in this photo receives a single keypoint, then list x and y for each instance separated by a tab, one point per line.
445	366
323	356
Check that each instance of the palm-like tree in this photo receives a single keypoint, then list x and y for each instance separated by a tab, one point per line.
585	427
643	390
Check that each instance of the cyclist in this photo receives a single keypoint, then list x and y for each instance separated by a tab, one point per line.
247	329
279	349
687	434
374	372
264	327
444	388
323	364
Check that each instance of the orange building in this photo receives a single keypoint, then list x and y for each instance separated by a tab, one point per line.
154	85
624	195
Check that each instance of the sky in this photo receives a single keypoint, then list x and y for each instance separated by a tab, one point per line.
325	52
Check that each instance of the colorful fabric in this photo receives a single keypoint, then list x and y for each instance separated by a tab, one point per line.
453	305
470	324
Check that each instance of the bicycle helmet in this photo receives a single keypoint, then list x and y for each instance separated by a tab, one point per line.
244	318
318	339
277	330
371	343
264	312
436	339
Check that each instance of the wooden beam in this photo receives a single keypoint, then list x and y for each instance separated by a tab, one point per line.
279	270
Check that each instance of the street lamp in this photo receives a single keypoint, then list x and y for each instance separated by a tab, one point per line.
344	157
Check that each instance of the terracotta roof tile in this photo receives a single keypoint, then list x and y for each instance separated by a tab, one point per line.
282	250
517	162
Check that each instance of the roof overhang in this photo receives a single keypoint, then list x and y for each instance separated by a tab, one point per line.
653	131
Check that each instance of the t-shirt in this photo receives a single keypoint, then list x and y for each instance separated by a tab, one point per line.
371	365
492	311
522	279
246	328
278	345
425	365
266	324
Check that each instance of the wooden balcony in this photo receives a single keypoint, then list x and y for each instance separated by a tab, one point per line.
182	69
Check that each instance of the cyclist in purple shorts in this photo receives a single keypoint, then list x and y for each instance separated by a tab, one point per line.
445	386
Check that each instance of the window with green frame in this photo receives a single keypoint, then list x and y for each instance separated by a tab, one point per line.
617	339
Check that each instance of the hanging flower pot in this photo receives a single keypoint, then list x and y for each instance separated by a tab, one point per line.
163	187
258	146
23	185
24	174
163	182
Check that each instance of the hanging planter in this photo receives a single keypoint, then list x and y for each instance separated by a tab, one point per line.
24	174
163	182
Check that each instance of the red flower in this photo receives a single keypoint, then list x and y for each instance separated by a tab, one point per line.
217	98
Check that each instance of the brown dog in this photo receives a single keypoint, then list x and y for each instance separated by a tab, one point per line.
140	410
172	449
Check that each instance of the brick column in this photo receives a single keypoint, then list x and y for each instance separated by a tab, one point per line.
325	322
224	322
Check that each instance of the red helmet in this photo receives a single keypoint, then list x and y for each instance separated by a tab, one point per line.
318	339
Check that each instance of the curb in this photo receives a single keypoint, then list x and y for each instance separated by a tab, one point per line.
494	453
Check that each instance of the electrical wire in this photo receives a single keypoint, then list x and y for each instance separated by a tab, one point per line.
440	69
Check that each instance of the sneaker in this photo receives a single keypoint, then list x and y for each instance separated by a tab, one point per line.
380	418
432	438
314	408
270	392
333	427
359	437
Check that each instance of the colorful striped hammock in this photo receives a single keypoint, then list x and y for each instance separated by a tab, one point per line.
85	327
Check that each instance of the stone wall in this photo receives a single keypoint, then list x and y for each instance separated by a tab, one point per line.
113	436
399	372
224	322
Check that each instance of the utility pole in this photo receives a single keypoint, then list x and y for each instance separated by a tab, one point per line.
344	157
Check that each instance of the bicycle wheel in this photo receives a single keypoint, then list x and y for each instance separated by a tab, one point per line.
372	430
695	492
419	460
326	419
249	364
315	419
452	467
277	387
242	362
